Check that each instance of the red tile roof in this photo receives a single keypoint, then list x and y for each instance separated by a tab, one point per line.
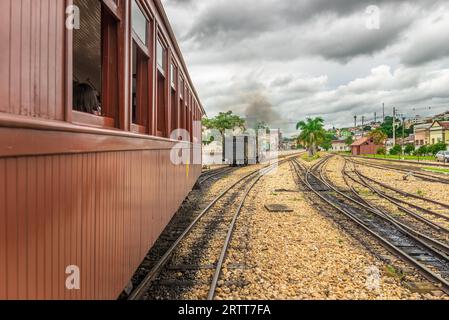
360	142
444	124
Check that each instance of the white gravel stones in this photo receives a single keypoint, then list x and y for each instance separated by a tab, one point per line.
302	255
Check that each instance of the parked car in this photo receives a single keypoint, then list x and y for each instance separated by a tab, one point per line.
443	156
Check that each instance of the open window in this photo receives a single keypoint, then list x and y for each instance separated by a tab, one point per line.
161	58
141	93
95	64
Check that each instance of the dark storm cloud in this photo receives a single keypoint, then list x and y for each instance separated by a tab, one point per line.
429	43
223	19
303	10
283	60
230	30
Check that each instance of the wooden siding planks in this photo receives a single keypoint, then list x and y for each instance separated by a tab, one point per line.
32	58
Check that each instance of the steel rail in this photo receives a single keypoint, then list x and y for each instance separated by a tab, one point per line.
423	239
224	251
395	201
140	290
432	242
211	175
418	174
406	194
404	209
425	271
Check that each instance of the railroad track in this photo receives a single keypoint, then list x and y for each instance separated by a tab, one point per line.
421	252
213	174
207	237
422	227
400	168
434	219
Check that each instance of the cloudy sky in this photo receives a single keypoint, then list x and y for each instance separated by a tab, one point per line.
284	60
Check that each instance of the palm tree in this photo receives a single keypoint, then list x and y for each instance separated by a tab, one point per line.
312	134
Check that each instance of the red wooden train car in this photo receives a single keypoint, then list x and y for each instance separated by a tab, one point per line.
90	92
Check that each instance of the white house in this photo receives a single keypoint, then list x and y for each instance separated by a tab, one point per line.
340	146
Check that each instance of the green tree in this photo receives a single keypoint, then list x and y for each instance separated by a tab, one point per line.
422	151
326	144
349	140
381	151
312	134
387	127
396	150
224	121
378	136
409	148
437	147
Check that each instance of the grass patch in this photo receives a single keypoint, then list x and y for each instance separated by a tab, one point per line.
306	157
399	157
439	170
394	273
419	192
365	192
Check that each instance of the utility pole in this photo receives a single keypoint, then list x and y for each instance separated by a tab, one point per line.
355	121
403	134
383	112
363	126
394	126
375	117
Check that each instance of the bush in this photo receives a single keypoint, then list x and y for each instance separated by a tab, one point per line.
409	149
435	148
396	150
381	151
422	151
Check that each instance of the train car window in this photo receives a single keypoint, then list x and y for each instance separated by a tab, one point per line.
173	75
173	95
161	90
139	23
181	88
95	86
140	92
161	55
140	71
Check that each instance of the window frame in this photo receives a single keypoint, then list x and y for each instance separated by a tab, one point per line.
111	27
160	38
174	89
144	52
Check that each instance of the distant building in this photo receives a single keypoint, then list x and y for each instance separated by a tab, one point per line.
407	140
442	116
365	145
418	120
439	132
422	134
340	146
389	144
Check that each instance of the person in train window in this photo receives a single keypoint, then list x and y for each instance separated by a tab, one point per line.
85	99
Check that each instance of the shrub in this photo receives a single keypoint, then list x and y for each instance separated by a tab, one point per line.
422	151
396	150
381	151
435	148
409	149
